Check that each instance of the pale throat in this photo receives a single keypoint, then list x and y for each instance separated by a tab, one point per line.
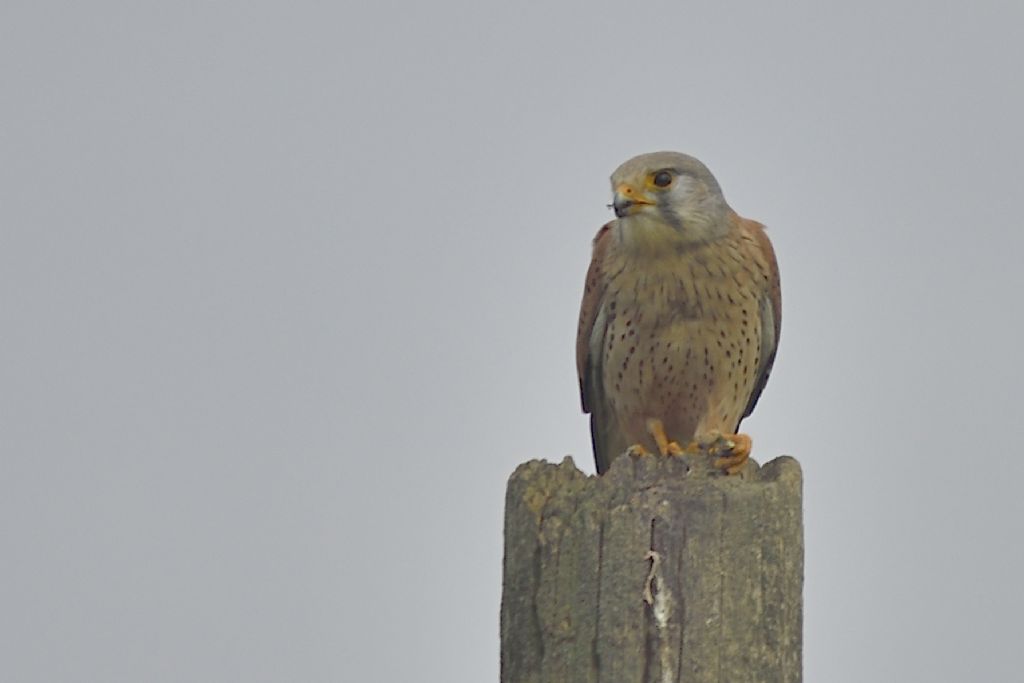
648	235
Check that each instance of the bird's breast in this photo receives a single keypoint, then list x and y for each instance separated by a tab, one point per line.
677	329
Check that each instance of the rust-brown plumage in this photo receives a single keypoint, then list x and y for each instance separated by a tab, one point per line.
680	317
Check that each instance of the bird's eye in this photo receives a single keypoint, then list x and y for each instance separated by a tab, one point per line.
662	178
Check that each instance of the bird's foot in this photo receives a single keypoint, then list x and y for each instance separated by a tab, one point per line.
637	450
730	451
657	431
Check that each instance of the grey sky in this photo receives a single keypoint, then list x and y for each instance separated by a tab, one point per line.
289	290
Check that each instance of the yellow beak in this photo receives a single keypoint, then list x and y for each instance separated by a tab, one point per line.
628	200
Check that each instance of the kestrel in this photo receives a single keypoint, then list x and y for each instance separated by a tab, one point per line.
680	317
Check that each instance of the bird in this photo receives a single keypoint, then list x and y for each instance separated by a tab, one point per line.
680	319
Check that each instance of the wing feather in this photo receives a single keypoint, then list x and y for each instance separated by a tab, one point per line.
604	427
771	311
593	296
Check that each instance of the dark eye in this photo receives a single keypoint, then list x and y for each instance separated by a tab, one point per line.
662	178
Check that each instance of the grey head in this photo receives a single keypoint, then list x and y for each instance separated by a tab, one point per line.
671	188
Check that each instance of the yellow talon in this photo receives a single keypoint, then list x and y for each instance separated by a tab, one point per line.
735	450
637	450
656	429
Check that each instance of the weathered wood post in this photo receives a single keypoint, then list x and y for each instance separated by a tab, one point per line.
658	571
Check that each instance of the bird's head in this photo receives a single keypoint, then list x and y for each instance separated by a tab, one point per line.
669	191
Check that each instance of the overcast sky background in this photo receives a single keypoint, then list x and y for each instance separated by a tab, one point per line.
288	291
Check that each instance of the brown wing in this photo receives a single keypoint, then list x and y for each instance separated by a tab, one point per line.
771	309
604	427
593	293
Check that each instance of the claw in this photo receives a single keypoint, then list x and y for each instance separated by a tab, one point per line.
732	452
656	429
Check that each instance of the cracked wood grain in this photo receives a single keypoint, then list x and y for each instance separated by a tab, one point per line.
657	572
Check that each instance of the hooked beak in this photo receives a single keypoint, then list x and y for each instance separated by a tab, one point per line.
628	200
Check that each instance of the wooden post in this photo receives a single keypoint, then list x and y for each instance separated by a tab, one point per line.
659	571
